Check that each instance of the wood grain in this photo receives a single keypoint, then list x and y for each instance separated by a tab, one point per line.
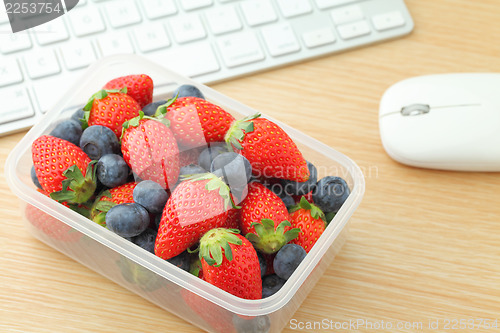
424	244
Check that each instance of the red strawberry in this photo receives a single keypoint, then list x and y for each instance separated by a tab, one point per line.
111	108
109	198
50	226
139	87
230	262
308	196
264	219
195	121
149	148
65	172
233	219
197	205
309	219
270	151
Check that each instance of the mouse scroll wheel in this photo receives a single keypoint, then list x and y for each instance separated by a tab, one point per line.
415	109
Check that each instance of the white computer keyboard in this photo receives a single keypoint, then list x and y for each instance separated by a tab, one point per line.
210	40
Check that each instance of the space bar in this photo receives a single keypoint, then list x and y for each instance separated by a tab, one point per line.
190	60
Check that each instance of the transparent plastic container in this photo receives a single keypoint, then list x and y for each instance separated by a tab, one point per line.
167	286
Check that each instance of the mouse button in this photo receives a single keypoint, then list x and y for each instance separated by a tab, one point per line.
415	109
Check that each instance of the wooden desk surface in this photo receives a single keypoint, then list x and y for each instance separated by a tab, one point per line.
424	245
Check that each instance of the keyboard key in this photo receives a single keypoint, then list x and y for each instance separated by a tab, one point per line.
223	20
322	4
352	30
10	42
81	3
41	63
78	54
122	13
51	32
347	14
280	39
10	73
16	104
186	59
117	43
240	49
86	21
151	37
195	4
291	8
258	12
159	8
388	20
318	37
187	28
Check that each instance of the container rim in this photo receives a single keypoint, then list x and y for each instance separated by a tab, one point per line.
152	262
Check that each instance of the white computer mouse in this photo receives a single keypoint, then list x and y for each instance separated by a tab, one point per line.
444	121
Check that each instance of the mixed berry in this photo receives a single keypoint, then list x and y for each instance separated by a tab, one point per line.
232	201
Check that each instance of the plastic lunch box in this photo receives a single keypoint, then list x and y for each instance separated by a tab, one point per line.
149	276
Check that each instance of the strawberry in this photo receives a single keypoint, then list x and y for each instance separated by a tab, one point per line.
264	219
149	148
308	196
233	219
109	198
64	171
229	261
270	151
110	108
50	226
195	121
309	219
198	204
139	87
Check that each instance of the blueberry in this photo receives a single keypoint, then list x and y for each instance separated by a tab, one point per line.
97	141
150	109
301	188
127	219
157	220
259	324
288	259
271	284
151	196
188	90
183	261
112	170
34	178
191	169
288	201
208	154
78	116
68	130
235	169
330	193
262	263
146	240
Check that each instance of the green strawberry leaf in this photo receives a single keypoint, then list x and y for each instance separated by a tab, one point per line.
216	240
268	240
162	110
76	188
236	133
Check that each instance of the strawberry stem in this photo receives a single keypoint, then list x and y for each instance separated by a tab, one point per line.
316	212
212	243
236	133
76	188
267	239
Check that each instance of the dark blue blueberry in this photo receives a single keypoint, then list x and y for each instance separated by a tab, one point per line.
150	109
296	188
288	201
183	261
97	141
262	263
78	116
330	193
188	90
209	154
235	169
151	196
271	284
68	130
127	219
112	170
34	178
191	169
259	324
146	240
288	259
158	220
